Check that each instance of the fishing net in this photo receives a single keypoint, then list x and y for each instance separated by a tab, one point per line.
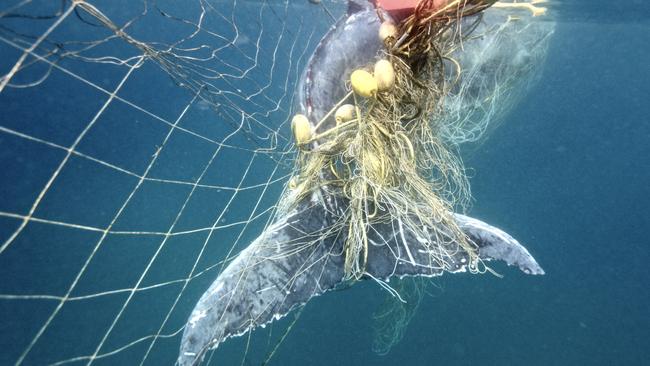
394	156
144	144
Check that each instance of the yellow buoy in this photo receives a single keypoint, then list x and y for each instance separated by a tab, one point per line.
388	32
385	75
345	113
293	182
363	83
301	129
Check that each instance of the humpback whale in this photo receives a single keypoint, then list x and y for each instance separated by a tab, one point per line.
301	254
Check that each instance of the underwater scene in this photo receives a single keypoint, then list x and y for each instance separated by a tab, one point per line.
324	182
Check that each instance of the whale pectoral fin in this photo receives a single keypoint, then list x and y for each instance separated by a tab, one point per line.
495	244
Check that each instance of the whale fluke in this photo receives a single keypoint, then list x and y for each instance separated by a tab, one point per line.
302	255
494	243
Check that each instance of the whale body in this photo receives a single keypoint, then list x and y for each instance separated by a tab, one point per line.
301	255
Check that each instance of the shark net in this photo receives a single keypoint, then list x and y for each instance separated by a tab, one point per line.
144	144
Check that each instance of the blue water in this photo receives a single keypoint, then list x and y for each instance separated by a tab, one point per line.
567	173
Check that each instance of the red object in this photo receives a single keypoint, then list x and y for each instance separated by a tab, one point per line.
398	9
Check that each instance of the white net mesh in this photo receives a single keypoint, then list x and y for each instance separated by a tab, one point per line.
142	146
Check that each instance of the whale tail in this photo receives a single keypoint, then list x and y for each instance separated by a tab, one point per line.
302	256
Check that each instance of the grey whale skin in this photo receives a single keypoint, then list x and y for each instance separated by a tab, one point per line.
301	254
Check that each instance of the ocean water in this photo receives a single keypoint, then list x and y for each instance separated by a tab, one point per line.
82	273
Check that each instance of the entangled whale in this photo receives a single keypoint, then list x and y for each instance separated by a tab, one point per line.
302	253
